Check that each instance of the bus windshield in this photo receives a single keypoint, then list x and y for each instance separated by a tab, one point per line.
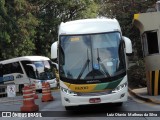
43	69
91	56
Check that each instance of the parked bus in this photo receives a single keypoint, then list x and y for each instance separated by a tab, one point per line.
92	62
28	70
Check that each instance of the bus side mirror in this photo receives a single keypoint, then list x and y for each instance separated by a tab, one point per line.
55	64
54	50
128	45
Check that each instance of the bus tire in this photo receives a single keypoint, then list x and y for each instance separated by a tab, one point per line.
68	108
40	90
119	104
20	88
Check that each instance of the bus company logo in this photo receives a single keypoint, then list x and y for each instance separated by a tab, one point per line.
82	88
19	76
8	78
6	114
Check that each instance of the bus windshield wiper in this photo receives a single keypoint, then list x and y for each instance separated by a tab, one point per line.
103	67
84	66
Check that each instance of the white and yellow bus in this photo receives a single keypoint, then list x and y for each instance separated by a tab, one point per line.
28	70
92	62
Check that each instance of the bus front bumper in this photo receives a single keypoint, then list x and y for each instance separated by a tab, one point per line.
68	100
53	84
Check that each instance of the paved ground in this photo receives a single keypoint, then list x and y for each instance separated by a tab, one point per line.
142	94
100	112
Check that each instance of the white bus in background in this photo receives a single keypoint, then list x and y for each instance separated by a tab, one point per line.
92	62
28	70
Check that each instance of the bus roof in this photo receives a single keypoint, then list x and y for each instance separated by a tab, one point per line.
85	26
23	58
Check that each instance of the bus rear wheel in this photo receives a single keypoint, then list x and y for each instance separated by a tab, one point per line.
119	104
21	88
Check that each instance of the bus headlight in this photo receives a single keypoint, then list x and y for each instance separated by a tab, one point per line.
119	87
68	92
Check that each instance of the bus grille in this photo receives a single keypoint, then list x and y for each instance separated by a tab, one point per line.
95	93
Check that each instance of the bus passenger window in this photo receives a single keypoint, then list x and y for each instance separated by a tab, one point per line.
16	68
30	72
28	69
12	68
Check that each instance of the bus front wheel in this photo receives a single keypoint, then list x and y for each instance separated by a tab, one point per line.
68	108
119	104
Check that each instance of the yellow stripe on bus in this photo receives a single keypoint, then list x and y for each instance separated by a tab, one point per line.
83	87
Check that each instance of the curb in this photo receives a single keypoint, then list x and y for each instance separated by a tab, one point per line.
150	100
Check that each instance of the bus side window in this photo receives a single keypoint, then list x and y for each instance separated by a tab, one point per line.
7	69
28	69
16	68
12	68
30	72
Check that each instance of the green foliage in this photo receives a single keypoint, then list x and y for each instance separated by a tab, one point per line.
136	75
123	11
29	27
51	13
18	29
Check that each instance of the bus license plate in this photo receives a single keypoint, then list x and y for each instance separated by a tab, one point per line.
94	100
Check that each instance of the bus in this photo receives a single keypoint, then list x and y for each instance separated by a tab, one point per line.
28	70
92	62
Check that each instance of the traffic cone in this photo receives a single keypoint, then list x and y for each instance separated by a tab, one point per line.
28	100
34	91
46	92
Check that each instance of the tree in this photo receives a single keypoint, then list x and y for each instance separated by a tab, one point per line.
29	27
123	11
51	13
18	28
